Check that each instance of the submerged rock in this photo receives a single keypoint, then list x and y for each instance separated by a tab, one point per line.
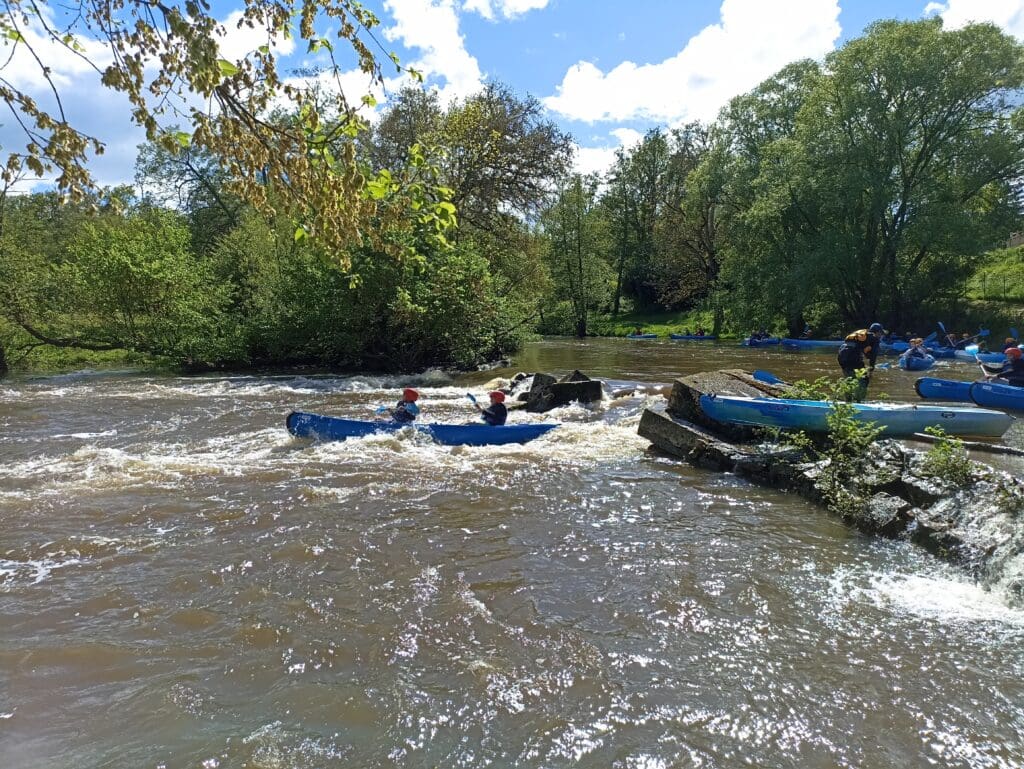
979	525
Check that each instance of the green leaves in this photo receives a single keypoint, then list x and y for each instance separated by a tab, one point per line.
226	68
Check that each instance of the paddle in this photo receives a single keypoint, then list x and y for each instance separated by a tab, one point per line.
471	397
930	338
1013	333
949	337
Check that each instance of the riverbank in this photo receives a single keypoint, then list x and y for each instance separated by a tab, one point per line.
660	323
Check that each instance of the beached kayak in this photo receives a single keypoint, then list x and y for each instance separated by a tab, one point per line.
819	345
305	425
943	389
916	363
692	337
895	418
998	395
766	342
641	336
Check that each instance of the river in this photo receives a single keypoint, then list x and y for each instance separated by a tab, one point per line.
182	584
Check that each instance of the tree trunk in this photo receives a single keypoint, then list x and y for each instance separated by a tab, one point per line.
581	327
719	319
3	362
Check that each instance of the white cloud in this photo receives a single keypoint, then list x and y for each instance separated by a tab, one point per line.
510	9
753	40
432	26
1008	14
239	40
596	160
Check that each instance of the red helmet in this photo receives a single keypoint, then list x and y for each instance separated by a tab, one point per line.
499	396
1013	352
410	394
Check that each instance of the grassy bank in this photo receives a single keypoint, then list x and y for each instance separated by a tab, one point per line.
662	324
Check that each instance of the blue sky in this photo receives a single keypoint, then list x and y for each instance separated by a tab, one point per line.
605	71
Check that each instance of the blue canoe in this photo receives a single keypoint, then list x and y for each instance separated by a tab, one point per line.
304	425
895	419
693	337
916	362
811	344
998	395
766	342
940	352
943	389
641	336
994	358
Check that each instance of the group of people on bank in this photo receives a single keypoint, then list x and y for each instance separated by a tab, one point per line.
407	410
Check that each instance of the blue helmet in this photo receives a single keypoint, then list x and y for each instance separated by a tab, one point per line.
875	327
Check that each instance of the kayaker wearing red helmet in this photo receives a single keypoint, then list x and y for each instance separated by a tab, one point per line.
496	413
1012	371
406	411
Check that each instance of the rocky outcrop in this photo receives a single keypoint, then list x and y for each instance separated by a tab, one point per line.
979	524
546	392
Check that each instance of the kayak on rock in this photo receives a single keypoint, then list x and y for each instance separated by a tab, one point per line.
305	425
894	419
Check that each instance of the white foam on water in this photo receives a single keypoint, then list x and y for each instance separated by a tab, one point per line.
936	592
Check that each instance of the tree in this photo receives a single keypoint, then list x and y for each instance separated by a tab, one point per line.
577	249
874	182
166	58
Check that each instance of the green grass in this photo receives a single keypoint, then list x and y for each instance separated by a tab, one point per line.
660	323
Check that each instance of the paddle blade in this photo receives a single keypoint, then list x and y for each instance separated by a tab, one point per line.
471	397
931	337
767	377
972	349
984	332
942	328
1014	334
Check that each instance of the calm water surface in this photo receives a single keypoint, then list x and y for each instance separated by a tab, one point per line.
182	584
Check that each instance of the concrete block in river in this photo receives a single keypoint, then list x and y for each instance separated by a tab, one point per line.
684	400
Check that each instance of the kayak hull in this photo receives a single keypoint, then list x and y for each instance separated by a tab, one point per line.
767	342
819	345
692	338
305	425
996	395
943	389
894	419
908	363
994	358
641	336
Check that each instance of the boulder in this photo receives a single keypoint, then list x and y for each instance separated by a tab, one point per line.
547	393
684	400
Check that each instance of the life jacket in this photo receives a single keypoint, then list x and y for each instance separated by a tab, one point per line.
850	355
405	412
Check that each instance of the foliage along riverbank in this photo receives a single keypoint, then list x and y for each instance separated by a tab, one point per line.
868	186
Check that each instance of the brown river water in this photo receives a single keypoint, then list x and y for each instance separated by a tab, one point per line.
182	584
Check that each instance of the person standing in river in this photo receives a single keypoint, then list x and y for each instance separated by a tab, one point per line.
857	355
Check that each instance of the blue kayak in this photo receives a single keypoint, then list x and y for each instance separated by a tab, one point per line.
304	425
994	358
811	344
766	342
943	389
893	348
916	362
895	418
940	352
693	337
641	336
998	394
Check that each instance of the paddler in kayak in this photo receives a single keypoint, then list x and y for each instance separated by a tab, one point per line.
406	410
1012	372
858	353
916	349
495	414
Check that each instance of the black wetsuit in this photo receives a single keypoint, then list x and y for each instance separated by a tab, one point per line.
1012	371
495	414
858	346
